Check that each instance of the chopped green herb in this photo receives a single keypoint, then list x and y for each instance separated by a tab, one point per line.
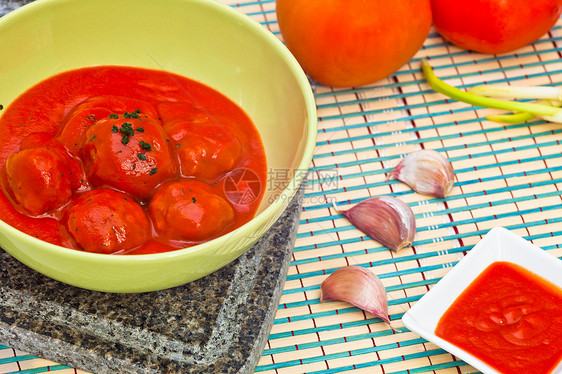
114	129
141	156
127	128
114	116
134	114
1	106
193	199
92	138
154	170
125	139
140	129
145	146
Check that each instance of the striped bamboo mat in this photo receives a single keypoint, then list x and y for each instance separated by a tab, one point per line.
506	175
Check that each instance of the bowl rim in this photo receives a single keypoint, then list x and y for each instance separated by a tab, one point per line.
258	220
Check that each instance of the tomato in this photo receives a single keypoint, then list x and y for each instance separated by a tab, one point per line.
190	210
353	42
106	221
494	26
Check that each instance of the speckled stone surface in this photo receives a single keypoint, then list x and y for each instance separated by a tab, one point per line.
7	6
218	324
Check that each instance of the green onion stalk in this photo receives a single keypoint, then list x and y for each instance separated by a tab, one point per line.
548	109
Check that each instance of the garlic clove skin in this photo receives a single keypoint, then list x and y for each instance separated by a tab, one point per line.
359	287
386	219
426	172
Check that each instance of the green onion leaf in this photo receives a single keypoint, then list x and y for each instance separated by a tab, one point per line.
486	102
518	92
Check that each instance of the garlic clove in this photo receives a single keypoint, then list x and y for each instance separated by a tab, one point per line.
426	172
386	219
359	287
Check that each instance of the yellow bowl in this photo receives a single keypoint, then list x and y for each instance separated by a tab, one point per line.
200	39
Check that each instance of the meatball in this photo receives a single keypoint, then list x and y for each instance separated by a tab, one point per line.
88	112
174	111
106	221
122	105
38	180
130	154
205	151
76	124
78	180
190	210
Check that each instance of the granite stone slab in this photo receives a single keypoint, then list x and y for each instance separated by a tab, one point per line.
217	324
6	6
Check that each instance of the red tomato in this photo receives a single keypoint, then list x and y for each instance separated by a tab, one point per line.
106	221
494	26
353	42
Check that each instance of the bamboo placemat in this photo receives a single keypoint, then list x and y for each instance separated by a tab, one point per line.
506	175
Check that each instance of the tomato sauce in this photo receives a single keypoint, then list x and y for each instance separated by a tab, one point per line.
509	318
126	160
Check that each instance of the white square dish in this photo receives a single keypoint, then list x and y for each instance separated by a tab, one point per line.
498	245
